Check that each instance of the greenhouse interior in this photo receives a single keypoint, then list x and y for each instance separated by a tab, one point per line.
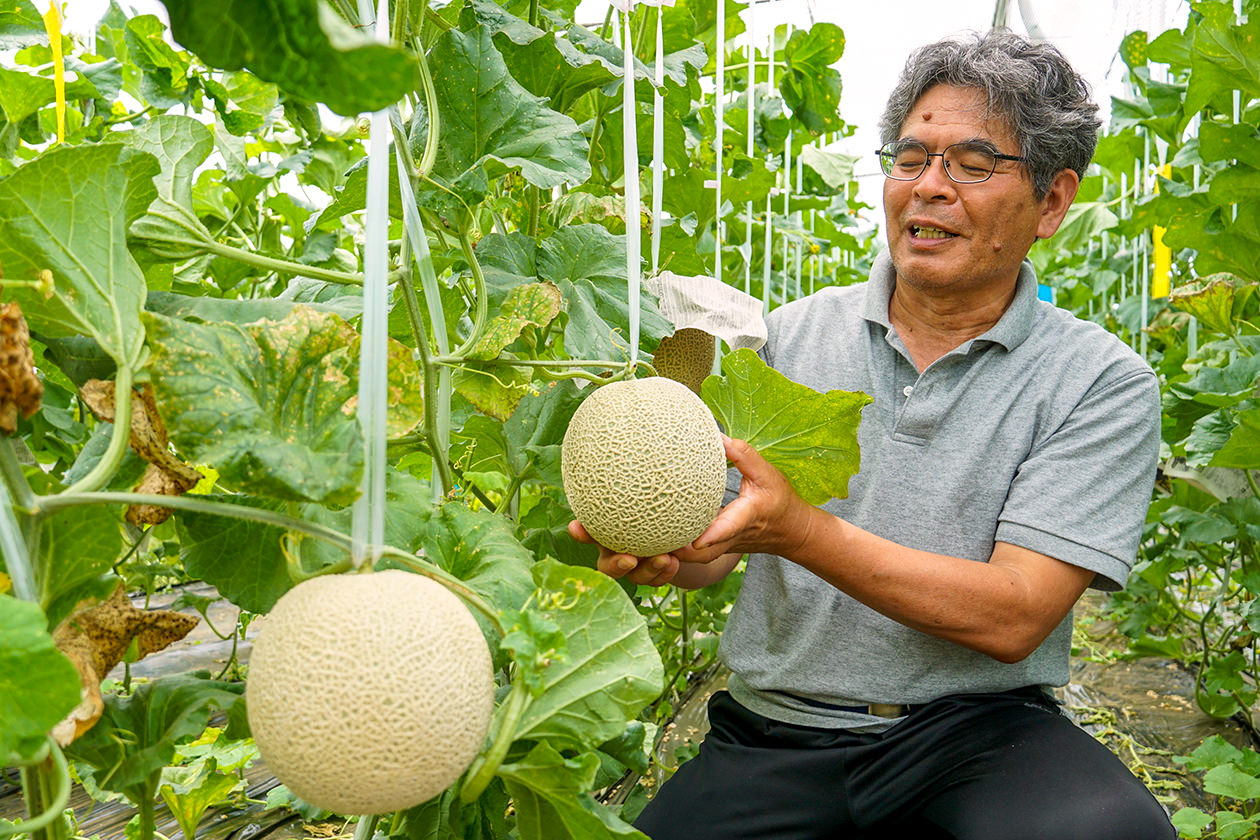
534	404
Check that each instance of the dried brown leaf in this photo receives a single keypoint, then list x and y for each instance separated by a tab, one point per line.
21	390
97	637
167	475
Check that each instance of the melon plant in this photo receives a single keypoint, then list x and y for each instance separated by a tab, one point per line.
369	693
208	265
643	466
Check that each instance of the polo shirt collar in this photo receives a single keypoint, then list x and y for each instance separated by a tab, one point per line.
1012	328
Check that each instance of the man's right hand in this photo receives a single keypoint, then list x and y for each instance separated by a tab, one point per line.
645	571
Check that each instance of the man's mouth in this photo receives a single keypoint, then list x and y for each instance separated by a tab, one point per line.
924	232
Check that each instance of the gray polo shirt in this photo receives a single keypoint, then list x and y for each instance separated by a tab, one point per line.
1043	432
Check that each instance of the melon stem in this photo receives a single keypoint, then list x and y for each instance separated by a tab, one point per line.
487	764
366	827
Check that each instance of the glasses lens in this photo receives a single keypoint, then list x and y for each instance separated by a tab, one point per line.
903	161
968	164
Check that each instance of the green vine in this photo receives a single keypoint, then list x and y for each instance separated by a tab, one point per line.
487	764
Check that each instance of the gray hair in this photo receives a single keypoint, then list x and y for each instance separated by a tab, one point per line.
1029	86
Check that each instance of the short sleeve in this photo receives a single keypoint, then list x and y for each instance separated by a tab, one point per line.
1082	494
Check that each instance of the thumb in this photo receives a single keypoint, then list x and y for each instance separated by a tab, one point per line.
743	457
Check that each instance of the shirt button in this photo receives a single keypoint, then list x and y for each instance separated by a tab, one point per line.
908	390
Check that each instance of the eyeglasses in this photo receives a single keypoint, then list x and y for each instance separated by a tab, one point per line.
965	163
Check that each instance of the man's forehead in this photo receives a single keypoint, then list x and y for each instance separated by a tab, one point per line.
944	104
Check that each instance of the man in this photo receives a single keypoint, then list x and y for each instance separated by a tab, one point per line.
891	653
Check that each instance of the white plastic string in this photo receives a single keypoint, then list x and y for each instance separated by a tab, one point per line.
814	259
787	198
630	169
800	224
750	146
658	139
766	287
719	94
786	175
413	227
1124	240
368	514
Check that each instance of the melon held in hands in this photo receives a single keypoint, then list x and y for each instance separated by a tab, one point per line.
643	466
369	693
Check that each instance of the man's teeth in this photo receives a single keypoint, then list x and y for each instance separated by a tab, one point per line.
931	233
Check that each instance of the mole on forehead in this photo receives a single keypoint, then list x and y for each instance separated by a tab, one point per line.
927	115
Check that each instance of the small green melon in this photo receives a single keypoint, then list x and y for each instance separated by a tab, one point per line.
686	357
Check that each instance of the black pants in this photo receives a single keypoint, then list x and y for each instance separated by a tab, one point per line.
1006	766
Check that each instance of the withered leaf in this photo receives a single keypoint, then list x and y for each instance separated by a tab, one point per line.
96	638
167	475
21	390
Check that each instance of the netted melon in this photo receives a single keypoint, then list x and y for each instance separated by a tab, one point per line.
643	466
686	357
369	693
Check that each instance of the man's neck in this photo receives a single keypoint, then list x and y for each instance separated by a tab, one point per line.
931	323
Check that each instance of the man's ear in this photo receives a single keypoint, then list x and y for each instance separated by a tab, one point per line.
1055	205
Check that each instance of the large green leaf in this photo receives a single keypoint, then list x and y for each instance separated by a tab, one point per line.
479	548
80	544
1224	58
551	795
527	446
1241	142
810	86
810	437
611	670
536	429
550	66
38	685
1228	780
164	71
248	563
137	734
67	213
1242	450
589	265
271	405
748	179
490	124
20	24
834	168
245	561
1235	185
300	45
22	94
181	144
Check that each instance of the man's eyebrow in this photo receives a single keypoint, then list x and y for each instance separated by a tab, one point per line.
978	141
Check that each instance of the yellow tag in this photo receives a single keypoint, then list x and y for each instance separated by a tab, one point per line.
1161	276
5	584
52	25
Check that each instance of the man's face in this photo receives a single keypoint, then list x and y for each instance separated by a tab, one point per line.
948	236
